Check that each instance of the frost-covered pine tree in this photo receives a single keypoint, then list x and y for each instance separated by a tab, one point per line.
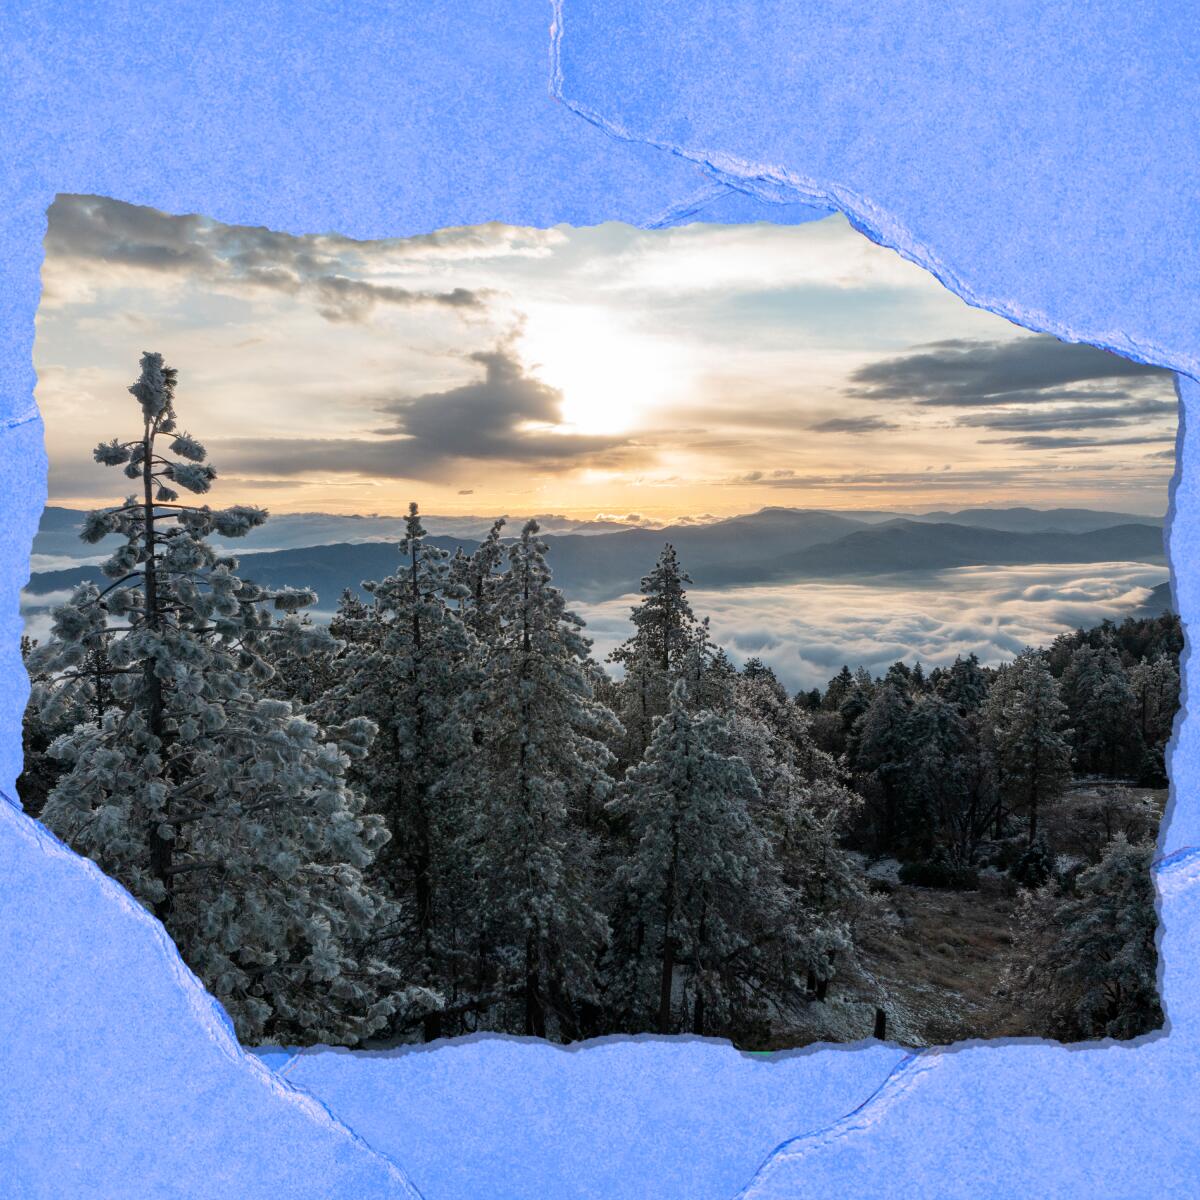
1155	684
216	805
1101	705
664	633
711	678
406	664
965	685
804	810
1024	721
698	898
305	668
39	770
838	688
878	751
1085	957
475	578
540	761
945	779
856	702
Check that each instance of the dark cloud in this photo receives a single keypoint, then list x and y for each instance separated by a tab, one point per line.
853	425
94	232
505	417
938	479
1037	441
1075	416
1037	369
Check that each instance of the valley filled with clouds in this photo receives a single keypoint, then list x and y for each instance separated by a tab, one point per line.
806	631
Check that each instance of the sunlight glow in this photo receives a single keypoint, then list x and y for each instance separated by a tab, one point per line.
610	374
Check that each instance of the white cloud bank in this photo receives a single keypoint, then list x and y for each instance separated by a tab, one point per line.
806	631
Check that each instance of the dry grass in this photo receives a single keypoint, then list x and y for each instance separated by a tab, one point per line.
935	960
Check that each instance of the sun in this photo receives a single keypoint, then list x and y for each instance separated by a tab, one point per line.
611	374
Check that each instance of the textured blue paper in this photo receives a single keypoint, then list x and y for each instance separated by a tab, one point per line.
1038	158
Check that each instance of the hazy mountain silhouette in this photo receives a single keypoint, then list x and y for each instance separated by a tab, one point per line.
773	545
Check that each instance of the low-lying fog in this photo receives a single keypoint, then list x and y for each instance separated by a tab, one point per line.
806	631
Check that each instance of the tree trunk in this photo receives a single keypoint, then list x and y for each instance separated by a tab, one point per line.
701	938
535	1016
667	976
1033	797
668	962
161	849
664	986
880	1025
432	1025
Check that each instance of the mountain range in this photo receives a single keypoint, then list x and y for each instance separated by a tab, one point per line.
594	563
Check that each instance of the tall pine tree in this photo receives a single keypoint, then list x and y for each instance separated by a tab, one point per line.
540	761
664	633
1025	719
405	668
699	899
216	805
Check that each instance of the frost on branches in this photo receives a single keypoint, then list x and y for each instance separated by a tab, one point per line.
542	764
1086	958
407	658
218	806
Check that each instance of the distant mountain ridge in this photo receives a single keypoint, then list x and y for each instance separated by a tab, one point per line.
57	534
1158	602
770	546
1035	520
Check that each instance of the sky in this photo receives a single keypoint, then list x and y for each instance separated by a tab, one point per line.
648	375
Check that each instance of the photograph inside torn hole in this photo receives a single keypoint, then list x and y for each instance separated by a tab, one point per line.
722	630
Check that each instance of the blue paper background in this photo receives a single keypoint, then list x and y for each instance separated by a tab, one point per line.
1039	158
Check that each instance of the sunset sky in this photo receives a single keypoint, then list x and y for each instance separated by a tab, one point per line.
707	370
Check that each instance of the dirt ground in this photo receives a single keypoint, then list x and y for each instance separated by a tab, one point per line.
934	959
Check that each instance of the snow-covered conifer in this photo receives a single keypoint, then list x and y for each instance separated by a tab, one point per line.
1102	710
1085	957
540	761
1024	724
215	804
805	809
475	577
664	633
405	667
1155	685
878	752
964	685
700	905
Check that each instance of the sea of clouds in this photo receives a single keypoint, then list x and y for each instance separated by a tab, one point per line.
806	631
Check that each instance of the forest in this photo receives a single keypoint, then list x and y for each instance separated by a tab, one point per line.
439	814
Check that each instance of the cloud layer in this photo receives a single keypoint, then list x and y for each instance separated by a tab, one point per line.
88	235
805	632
